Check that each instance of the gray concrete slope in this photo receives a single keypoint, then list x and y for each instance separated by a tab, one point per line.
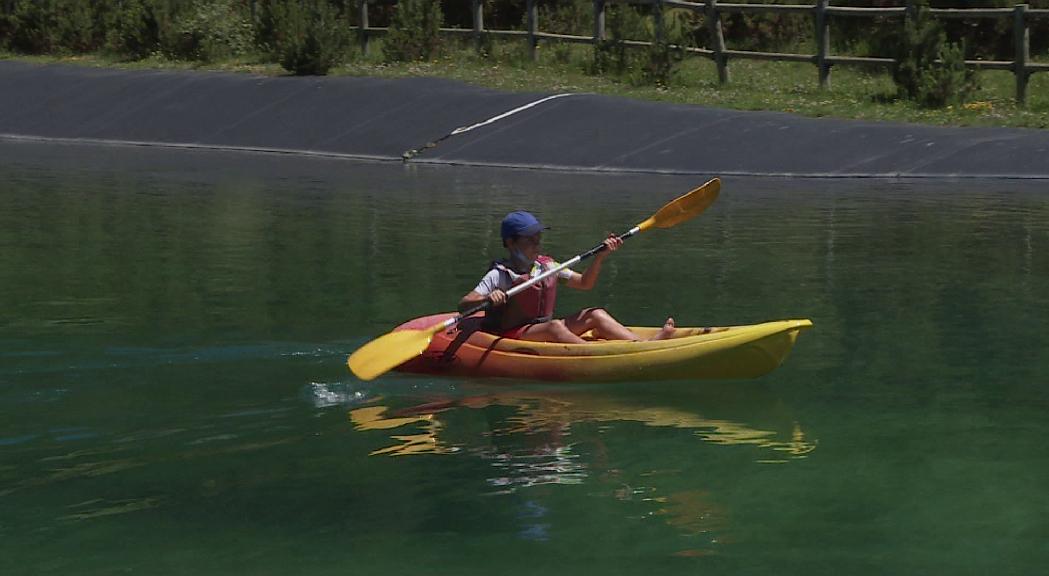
382	118
352	116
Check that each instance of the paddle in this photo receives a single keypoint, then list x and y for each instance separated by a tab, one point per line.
395	348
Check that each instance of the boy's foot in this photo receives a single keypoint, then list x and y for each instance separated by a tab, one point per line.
666	332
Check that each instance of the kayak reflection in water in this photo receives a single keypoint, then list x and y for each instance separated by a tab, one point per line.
529	314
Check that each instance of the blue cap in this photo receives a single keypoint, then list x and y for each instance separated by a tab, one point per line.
521	223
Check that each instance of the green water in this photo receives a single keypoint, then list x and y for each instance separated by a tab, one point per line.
174	399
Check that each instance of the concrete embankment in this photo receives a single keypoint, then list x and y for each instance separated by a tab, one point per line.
438	121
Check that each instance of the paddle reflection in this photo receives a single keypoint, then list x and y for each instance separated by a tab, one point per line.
425	442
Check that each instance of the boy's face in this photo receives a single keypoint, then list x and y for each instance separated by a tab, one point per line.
527	245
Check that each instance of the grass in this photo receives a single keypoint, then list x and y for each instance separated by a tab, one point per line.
858	93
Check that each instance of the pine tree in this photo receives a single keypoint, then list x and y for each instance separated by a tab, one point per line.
929	69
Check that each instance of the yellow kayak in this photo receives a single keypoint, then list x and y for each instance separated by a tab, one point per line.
691	353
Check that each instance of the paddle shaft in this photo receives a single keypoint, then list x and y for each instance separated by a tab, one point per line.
516	289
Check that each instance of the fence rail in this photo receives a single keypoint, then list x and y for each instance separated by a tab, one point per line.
821	12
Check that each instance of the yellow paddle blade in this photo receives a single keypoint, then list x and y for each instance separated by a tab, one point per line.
684	207
388	352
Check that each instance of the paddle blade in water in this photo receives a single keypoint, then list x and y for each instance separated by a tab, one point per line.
388	352
685	207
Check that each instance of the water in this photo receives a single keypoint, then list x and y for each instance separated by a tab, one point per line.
174	399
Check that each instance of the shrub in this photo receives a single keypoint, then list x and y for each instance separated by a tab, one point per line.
654	65
611	56
567	17
949	82
663	57
928	69
573	17
984	38
209	31
48	26
131	28
661	63
30	26
310	37
75	26
414	31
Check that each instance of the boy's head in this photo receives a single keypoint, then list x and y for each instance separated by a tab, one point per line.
520	224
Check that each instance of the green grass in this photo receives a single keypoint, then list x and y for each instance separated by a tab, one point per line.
776	86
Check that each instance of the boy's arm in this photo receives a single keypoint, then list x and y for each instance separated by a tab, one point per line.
487	289
498	298
588	279
470	300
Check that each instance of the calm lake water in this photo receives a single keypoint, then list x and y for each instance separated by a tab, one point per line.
174	398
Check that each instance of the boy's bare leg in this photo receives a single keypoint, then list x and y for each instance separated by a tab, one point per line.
552	331
597	319
607	327
601	322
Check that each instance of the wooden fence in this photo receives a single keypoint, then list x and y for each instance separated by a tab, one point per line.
821	12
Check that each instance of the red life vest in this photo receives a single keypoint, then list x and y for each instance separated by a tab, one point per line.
533	305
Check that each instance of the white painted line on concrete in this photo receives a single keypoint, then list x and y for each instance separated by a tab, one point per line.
462	129
410	154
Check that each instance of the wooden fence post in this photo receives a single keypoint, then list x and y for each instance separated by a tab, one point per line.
599	21
717	36
1022	38
363	26
533	16
478	17
822	43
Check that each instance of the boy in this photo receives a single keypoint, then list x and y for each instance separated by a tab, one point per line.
529	314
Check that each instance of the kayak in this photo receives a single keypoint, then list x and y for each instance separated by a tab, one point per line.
691	353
